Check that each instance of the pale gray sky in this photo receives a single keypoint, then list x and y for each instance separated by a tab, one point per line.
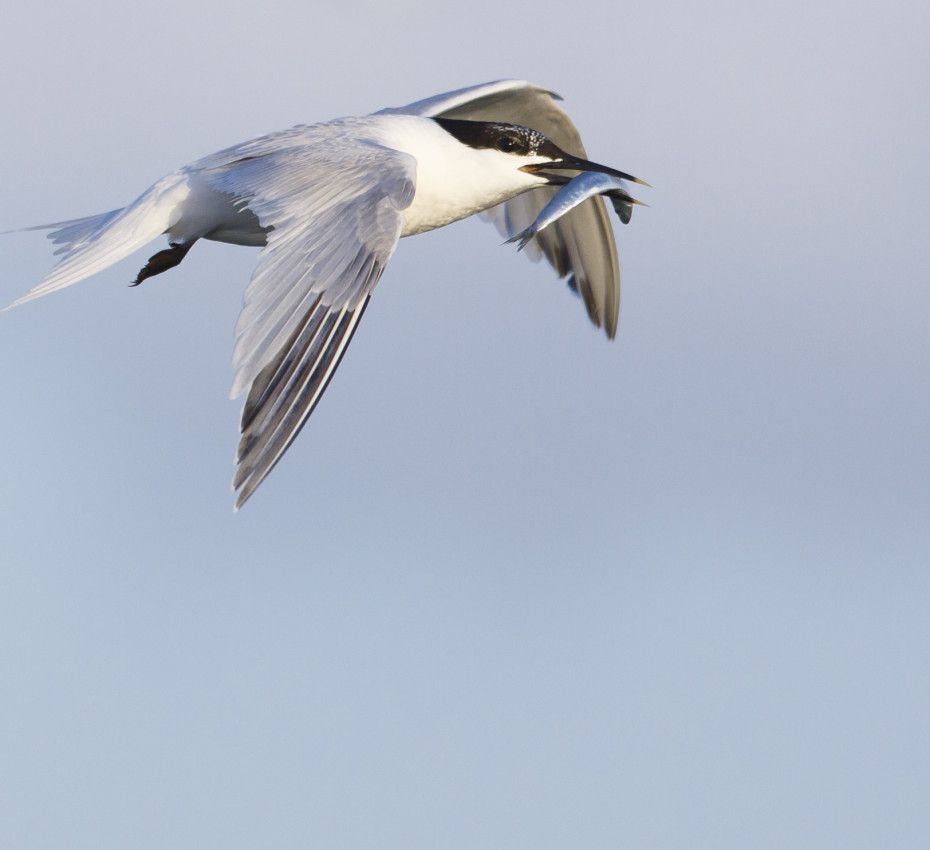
514	586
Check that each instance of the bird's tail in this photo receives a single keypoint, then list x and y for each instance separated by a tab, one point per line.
91	244
71	234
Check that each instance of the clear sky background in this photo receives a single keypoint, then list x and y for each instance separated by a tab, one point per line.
514	586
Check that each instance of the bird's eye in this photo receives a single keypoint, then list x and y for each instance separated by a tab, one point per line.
507	144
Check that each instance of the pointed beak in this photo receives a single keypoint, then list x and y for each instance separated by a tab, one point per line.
574	163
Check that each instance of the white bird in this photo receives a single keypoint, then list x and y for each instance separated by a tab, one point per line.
328	203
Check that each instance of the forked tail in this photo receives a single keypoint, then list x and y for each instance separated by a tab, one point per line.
91	244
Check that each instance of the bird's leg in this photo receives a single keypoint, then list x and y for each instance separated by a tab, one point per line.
163	260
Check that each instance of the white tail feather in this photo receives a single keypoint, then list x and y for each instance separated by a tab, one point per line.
92	244
68	235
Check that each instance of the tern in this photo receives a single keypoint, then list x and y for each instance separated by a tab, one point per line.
328	203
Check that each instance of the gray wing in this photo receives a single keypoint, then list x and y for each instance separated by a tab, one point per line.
334	214
581	243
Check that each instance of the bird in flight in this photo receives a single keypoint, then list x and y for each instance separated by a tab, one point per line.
328	203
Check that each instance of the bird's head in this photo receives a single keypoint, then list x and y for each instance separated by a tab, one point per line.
528	150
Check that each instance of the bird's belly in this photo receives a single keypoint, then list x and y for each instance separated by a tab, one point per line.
216	216
248	233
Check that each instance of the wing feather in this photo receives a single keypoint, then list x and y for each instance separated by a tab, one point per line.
281	399
581	243
332	204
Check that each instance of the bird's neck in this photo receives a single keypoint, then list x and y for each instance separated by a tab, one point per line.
453	180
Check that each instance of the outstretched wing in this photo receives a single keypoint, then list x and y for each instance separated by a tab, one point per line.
334	213
581	243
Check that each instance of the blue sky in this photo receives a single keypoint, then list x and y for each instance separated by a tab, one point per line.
514	585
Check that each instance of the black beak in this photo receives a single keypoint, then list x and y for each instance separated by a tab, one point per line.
574	163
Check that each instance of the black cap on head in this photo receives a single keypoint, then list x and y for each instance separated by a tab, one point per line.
496	135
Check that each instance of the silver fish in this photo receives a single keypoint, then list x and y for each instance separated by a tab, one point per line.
576	191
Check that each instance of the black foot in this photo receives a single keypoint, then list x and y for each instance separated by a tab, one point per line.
162	261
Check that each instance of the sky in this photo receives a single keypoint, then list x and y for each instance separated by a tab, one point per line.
514	585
